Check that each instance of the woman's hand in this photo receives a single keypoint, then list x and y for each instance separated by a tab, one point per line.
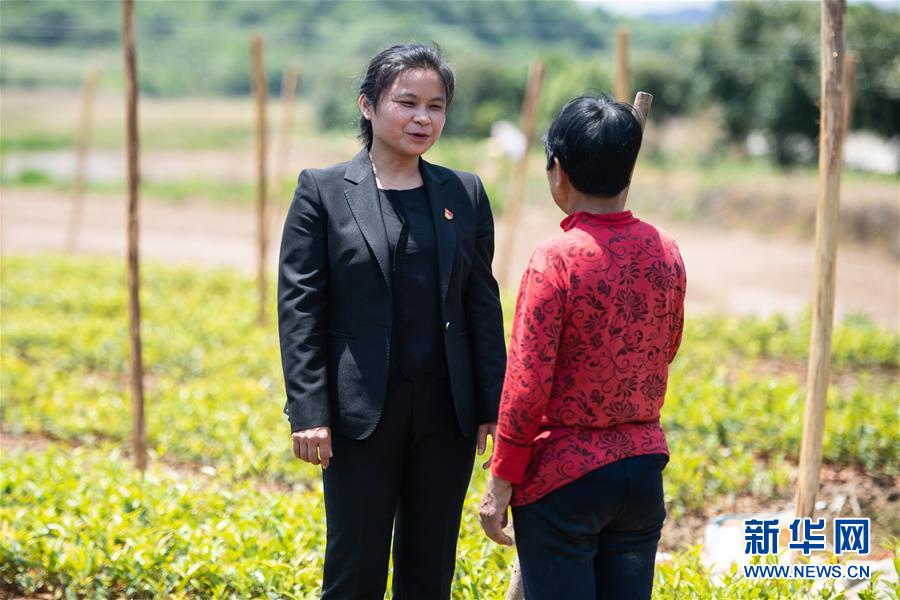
485	430
493	510
313	445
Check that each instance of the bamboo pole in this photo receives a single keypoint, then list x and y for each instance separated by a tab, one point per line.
81	151
288	95
622	89
642	102
831	125
259	87
139	433
520	172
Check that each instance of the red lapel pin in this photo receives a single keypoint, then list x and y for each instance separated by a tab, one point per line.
448	214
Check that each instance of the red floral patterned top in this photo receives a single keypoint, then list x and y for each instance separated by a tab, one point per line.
598	320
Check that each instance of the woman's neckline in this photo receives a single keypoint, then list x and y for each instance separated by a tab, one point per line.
412	189
614	218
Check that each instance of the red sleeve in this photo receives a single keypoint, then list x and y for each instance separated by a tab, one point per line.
677	326
536	331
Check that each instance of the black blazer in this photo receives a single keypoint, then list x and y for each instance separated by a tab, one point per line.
335	308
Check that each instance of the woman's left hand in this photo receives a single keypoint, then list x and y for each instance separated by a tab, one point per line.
493	510
485	430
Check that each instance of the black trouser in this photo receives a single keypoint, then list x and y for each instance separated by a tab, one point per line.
595	537
411	475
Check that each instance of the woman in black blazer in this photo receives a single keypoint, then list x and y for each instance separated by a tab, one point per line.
391	335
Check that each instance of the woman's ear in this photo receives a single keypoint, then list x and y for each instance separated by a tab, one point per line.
559	179
364	107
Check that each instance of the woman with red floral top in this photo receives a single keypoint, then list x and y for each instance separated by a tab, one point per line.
579	449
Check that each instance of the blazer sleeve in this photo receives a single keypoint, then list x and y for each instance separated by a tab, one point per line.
484	315
302	289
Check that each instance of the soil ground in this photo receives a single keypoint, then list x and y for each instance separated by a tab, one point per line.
729	271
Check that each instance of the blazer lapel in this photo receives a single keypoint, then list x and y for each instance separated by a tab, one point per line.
363	200
443	227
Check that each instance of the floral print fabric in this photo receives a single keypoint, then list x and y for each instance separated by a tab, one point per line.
598	320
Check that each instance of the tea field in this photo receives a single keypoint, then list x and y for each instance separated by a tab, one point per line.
226	511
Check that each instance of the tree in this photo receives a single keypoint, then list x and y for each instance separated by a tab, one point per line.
875	37
760	62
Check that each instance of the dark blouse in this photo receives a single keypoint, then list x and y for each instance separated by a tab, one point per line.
417	343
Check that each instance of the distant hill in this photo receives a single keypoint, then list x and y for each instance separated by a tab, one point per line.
201	45
756	61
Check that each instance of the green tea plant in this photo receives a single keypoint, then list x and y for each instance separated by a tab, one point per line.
84	521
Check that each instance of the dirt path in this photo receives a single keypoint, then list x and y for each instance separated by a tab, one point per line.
729	271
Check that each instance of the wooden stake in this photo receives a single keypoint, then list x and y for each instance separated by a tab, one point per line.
139	433
288	94
259	87
520	172
516	590
831	126
81	150
622	90
642	102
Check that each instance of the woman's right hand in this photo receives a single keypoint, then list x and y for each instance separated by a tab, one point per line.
313	445
494	510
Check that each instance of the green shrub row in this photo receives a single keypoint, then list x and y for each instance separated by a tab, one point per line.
214	388
83	523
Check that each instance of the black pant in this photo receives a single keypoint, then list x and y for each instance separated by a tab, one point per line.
595	537
411	475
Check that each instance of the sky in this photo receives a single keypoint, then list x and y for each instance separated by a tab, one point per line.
639	8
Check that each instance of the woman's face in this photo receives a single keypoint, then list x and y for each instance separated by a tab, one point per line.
410	114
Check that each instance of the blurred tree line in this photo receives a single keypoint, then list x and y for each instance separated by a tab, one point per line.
757	61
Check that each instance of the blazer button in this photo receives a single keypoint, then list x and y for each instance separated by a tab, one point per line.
446	325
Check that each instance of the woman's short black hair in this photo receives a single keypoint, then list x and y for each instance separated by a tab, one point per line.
596	140
390	62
